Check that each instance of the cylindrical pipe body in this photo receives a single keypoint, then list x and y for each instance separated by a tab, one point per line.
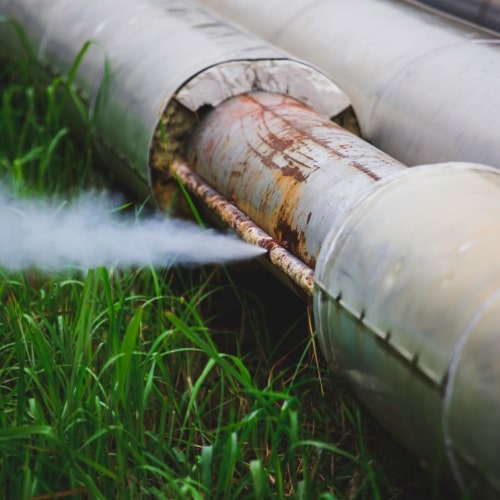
423	87
482	12
144	53
290	169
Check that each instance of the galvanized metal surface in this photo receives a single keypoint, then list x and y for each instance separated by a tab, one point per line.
424	88
291	170
482	12
408	308
145	52
291	267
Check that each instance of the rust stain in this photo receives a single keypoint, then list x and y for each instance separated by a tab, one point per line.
295	172
275	149
365	170
289	170
275	142
285	232
324	122
299	273
270	244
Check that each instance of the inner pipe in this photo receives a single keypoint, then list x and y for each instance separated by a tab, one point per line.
291	170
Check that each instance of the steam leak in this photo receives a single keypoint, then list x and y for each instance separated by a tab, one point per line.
89	232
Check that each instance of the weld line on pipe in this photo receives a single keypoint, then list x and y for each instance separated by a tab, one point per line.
387	338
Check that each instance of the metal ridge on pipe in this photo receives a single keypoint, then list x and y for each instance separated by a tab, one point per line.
407	268
293	268
424	88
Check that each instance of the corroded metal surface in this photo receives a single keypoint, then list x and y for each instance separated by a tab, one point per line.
424	88
301	275
291	170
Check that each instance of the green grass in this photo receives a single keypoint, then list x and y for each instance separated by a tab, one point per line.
163	383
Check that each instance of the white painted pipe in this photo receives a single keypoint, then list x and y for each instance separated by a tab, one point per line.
424	88
164	51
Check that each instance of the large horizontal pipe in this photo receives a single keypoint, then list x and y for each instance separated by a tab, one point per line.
424	88
482	12
202	62
407	268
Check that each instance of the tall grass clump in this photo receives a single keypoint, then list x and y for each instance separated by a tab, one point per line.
147	383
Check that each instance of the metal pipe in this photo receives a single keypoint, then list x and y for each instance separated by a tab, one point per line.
409	311
406	299
201	61
481	12
290	169
424	88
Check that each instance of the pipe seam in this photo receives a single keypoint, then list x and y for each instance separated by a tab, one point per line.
386	337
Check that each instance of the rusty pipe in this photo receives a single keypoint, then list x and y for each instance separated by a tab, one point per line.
291	170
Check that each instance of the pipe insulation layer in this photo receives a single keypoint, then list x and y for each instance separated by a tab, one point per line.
407	281
143	55
482	12
424	87
409	310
